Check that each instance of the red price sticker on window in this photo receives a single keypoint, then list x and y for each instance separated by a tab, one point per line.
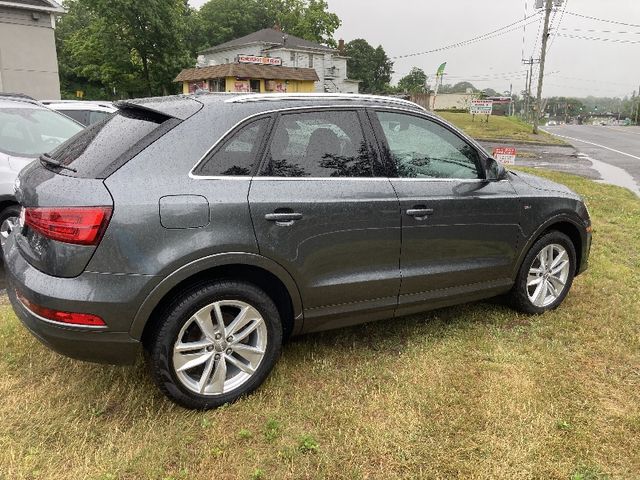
505	155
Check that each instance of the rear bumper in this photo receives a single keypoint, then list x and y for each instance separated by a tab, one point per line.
103	347
112	297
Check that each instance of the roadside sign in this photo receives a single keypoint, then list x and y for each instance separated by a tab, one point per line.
481	107
505	155
259	60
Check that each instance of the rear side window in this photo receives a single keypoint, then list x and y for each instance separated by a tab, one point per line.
103	147
238	155
318	144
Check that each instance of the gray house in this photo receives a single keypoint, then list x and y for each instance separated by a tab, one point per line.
28	60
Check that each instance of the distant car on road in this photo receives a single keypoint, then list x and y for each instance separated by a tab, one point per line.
209	228
27	130
85	112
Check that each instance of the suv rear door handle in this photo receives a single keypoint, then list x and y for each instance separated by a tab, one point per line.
419	213
283	218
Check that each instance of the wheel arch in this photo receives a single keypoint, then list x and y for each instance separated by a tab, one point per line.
7	201
564	224
253	268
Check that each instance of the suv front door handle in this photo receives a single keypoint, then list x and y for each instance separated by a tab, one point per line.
283	219
419	212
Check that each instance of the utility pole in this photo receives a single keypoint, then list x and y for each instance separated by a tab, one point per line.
527	85
510	98
543	54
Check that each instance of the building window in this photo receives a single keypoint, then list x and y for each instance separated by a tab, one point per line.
310	61
217	85
293	57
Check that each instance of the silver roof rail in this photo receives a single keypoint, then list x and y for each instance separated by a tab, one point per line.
261	97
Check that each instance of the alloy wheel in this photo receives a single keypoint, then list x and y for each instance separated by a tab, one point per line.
8	225
220	347
548	275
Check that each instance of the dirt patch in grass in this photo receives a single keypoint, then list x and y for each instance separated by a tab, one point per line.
475	391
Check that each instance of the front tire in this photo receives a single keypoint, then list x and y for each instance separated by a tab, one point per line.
215	345
546	274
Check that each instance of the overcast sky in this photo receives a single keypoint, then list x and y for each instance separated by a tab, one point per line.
575	67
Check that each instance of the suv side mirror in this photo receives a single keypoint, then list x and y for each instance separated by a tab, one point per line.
494	170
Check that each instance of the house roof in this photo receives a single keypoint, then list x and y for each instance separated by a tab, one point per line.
247	70
36	5
271	37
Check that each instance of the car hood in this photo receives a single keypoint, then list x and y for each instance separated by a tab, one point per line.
544	185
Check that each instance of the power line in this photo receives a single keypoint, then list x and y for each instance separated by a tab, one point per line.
553	39
564	85
488	77
600	39
591	80
603	19
486	36
535	42
598	31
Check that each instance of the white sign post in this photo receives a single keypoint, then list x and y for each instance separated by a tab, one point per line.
505	155
481	107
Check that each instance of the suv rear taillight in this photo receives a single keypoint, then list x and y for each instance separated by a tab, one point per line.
71	318
78	225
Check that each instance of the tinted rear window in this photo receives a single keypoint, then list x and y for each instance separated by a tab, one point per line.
103	147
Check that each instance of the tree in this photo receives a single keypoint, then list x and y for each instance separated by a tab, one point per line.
369	65
224	20
136	48
460	87
414	82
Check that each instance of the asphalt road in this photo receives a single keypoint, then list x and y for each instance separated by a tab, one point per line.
614	151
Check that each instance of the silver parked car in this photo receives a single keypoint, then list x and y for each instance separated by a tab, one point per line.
27	130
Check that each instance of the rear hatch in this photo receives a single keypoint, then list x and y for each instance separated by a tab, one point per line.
66	205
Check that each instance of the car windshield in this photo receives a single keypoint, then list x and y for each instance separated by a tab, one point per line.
31	131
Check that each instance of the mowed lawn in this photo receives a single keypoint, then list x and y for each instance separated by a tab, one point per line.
476	391
498	128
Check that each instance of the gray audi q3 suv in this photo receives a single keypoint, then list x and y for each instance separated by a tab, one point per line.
206	229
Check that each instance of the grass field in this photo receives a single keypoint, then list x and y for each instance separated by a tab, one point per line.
475	391
498	128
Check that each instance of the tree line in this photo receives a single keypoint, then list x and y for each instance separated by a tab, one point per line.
113	49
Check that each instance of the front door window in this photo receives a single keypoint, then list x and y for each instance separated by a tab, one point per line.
420	148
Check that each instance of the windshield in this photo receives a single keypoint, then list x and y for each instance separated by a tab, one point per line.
29	132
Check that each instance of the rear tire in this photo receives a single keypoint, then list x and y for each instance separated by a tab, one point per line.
546	274
9	217
216	344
